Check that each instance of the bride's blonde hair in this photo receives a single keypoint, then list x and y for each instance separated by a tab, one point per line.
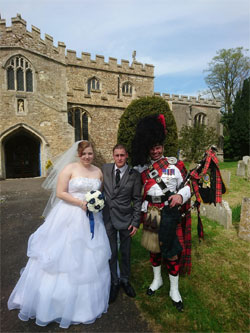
82	146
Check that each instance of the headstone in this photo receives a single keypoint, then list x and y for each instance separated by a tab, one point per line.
241	169
220	213
245	159
244	228
248	170
226	175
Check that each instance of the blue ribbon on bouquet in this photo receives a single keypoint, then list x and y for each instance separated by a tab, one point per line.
91	222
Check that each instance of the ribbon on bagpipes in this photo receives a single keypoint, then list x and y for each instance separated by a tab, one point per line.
91	222
211	194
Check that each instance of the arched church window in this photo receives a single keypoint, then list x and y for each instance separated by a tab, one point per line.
78	118
93	84
200	119
19	74
127	88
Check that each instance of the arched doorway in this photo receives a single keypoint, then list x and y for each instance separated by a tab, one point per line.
22	154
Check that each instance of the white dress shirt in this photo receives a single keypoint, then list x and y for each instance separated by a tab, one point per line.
172	177
122	170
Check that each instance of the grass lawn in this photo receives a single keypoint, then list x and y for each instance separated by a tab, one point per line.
216	294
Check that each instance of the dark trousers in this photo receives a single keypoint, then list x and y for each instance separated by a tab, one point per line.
125	244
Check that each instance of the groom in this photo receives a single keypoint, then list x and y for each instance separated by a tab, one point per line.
121	214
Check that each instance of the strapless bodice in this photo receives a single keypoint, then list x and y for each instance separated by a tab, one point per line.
79	186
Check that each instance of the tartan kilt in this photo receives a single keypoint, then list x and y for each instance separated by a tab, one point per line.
169	237
170	232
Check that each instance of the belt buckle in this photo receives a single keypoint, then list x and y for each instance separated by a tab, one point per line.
153	173
156	199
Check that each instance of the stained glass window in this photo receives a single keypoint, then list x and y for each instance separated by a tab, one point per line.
10	78
85	126
29	81
19	78
127	88
93	84
19	74
78	118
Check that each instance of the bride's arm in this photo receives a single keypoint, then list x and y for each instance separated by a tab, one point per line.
62	188
101	179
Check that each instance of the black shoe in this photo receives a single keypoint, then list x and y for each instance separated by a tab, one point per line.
150	292
113	292
129	290
178	305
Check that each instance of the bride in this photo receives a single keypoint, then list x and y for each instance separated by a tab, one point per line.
67	277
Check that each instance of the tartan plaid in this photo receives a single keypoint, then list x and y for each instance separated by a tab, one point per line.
155	259
183	230
211	161
173	267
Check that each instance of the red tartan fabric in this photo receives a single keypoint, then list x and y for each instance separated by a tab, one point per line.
149	182
155	259
173	267
195	177
186	223
183	230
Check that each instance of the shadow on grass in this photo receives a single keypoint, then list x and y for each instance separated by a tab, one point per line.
215	295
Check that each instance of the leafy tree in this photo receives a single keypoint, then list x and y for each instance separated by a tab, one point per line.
195	140
239	124
141	108
226	74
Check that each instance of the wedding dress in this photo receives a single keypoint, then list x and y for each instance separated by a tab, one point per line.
67	277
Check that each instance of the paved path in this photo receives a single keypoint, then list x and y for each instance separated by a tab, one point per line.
22	203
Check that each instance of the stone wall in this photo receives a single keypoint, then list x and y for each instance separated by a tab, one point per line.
45	109
60	84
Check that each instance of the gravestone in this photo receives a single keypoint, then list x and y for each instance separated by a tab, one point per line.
226	176
245	159
248	170
244	227
220	213
241	169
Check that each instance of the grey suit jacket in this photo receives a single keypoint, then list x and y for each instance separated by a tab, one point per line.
123	202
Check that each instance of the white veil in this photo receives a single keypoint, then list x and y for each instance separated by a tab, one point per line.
50	182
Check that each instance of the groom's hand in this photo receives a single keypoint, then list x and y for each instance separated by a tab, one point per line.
133	232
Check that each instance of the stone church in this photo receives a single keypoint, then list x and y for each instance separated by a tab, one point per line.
50	98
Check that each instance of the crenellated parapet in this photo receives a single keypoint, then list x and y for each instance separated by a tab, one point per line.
17	35
135	68
190	100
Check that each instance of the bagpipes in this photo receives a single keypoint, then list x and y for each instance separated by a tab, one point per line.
206	183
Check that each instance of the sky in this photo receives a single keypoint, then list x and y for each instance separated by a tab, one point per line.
178	37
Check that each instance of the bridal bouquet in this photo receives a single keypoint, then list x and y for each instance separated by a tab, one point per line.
95	203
